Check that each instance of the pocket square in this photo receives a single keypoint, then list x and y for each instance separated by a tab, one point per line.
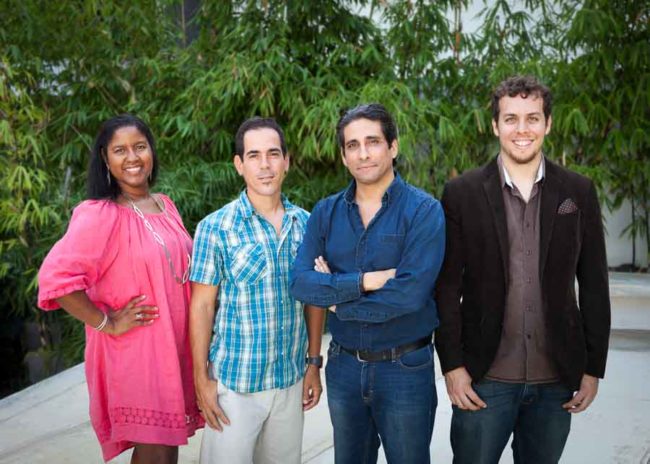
568	206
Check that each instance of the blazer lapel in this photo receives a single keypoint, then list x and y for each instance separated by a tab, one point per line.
493	191
550	193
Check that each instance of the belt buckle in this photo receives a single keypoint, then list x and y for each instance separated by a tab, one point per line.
359	358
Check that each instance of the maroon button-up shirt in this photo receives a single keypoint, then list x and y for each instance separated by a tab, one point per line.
523	354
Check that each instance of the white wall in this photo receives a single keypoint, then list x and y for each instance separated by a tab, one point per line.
619	249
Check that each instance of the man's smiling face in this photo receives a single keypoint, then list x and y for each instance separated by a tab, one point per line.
521	128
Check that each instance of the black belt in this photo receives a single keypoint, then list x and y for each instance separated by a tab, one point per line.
390	354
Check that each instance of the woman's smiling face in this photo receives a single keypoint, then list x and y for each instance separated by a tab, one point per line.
130	160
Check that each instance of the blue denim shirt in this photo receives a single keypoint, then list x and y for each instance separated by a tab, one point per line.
407	233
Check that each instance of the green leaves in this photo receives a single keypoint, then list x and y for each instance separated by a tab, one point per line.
25	205
432	63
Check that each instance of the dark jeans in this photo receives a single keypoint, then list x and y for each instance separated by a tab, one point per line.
533	412
394	402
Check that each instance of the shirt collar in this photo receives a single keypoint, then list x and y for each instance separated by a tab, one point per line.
392	191
505	177
247	210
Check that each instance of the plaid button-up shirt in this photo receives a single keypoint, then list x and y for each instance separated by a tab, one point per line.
260	339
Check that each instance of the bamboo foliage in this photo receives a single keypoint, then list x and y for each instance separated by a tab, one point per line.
24	208
302	63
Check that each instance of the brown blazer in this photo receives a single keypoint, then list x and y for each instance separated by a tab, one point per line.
471	287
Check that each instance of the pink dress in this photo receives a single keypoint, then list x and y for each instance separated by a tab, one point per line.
140	383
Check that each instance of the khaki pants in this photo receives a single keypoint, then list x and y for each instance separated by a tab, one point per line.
265	428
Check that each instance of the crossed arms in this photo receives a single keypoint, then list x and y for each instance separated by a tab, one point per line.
359	295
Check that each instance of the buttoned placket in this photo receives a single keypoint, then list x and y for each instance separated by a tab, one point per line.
365	335
528	236
276	245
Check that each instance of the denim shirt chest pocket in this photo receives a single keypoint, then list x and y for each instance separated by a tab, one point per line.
248	263
386	250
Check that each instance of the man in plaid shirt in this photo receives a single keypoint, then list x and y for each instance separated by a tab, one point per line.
249	354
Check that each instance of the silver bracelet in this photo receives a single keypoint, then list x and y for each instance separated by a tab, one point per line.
102	324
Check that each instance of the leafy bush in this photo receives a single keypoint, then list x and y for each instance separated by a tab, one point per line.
196	74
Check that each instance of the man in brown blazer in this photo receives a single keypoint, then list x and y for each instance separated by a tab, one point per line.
519	352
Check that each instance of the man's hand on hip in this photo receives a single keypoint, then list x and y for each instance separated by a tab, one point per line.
460	391
206	399
583	397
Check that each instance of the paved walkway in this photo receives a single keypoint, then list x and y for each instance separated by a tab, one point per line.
48	422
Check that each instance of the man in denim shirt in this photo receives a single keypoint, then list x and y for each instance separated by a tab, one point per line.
371	254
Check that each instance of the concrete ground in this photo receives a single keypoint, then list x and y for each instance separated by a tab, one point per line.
615	429
48	422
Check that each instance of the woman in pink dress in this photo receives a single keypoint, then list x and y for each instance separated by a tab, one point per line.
122	269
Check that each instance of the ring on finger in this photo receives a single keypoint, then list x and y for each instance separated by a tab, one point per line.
138	316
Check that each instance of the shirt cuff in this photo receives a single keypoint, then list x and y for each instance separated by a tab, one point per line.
349	286
351	312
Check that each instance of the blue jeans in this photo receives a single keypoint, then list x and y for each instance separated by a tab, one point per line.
391	401
533	412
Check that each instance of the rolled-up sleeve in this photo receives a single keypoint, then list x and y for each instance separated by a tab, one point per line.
206	261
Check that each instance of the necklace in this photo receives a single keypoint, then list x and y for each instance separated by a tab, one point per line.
159	239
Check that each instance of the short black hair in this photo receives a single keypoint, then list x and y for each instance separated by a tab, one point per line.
97	185
257	123
522	86
373	112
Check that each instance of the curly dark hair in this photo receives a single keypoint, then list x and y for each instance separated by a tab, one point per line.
521	86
